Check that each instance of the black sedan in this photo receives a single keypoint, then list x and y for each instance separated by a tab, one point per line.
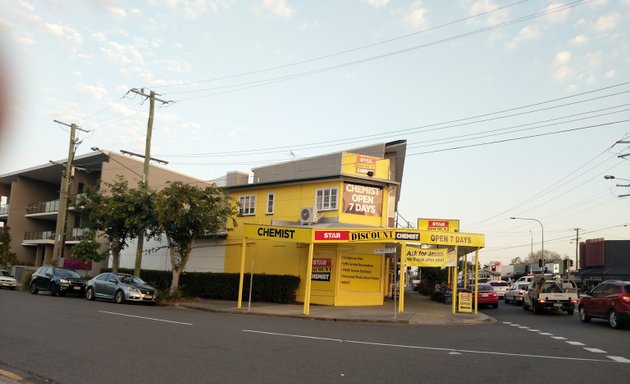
120	287
58	281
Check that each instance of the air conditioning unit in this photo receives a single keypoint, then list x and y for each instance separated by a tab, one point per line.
308	215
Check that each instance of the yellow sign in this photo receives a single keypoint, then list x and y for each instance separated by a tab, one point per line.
424	257
465	302
453	239
360	273
270	232
438	225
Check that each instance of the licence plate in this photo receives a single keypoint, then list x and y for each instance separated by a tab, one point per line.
484	295
148	296
77	287
557	305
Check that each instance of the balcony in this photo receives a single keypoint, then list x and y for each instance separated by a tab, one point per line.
43	237
4	211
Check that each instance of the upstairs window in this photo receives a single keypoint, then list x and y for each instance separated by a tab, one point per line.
247	205
271	198
326	199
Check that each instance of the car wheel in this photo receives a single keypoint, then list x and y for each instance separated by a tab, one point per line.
12	288
33	289
119	297
584	317
54	290
62	294
89	294
505	300
537	309
525	306
613	319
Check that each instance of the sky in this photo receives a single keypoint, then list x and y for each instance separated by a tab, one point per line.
509	108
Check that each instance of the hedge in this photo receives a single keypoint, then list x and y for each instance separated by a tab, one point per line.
224	286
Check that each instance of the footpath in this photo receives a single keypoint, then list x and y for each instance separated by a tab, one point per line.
419	310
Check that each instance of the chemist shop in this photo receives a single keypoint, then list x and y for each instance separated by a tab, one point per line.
352	266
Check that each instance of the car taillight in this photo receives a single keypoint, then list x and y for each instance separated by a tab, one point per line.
574	301
541	301
625	298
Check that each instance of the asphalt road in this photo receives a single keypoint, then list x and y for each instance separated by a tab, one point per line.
70	340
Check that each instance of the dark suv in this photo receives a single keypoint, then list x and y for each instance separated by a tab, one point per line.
609	300
58	281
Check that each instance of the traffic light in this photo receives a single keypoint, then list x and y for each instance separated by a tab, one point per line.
540	263
565	264
494	268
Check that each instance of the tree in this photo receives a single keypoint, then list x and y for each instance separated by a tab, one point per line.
184	213
88	249
516	260
120	213
7	258
549	257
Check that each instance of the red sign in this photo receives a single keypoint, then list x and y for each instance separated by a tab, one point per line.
438	224
332	235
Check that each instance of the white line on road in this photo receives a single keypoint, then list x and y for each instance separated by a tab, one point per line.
547	334
534	330
595	350
145	318
559	338
619	359
574	343
449	350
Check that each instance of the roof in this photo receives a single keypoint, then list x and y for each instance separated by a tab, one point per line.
51	173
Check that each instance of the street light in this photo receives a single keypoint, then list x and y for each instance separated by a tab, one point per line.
542	237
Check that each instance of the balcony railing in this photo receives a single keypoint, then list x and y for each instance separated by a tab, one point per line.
4	209
52	205
43	235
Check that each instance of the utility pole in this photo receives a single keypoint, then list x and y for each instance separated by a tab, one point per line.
147	157
62	216
577	246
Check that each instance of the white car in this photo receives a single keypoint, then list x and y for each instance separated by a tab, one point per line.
500	286
516	293
6	280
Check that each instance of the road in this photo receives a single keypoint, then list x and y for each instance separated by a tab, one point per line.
70	340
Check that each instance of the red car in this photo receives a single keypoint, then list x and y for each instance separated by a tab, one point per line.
609	300
487	295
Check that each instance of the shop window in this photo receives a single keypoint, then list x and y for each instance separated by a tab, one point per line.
326	199
271	199
247	205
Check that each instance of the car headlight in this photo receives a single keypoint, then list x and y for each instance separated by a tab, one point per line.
133	289
65	281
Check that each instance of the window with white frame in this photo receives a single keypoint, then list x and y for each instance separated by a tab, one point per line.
247	205
271	199
326	199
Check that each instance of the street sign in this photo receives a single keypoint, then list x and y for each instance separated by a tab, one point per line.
380	251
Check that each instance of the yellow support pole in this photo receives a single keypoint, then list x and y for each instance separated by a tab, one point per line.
465	266
476	279
401	286
454	286
242	273
309	272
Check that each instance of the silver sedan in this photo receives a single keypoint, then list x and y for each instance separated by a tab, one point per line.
119	287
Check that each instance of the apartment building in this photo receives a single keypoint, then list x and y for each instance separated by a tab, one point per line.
30	201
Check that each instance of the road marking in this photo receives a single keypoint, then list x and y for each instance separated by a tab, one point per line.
145	318
10	375
619	359
291	335
594	350
534	330
523	327
547	334
574	343
420	347
559	338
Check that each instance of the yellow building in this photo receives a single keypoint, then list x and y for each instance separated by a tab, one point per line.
287	202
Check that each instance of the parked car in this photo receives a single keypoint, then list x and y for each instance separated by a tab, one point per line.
6	280
120	287
516	293
58	281
486	295
500	286
609	300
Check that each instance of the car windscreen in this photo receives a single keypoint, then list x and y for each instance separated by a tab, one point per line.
485	287
523	286
500	284
133	280
66	273
4	273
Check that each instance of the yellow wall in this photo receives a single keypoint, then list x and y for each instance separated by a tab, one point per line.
367	287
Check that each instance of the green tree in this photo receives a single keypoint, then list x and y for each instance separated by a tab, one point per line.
88	249
549	257
516	260
120	213
184	213
7	258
